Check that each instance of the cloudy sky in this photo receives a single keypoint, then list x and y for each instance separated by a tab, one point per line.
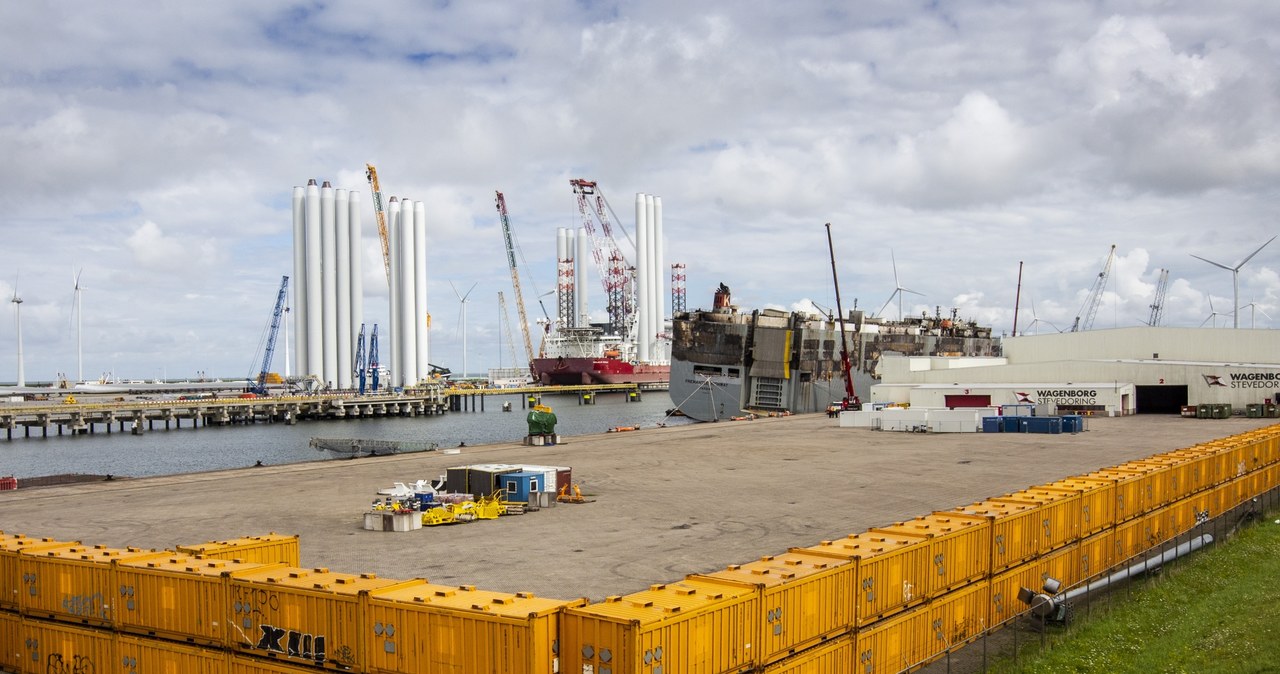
152	148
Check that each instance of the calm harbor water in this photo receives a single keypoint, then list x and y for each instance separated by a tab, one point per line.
189	450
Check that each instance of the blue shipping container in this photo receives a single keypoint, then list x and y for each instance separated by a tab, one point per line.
990	424
1072	423
516	487
1013	424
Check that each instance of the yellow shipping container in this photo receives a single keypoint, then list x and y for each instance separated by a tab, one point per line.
302	615
1005	604
1097	502
833	657
10	642
1216	462
158	593
246	664
1176	476
58	647
73	583
1095	555
897	644
687	626
269	549
892	571
958	617
1194	510
1138	535
1158	480
417	627
1059	514
11	579
1016	530
959	547
805	598
1132	490
156	656
1201	467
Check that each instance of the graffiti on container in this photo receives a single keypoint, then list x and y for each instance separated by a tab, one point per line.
298	645
254	602
86	605
79	664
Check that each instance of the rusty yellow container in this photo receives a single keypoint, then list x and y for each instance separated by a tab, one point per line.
1195	510
140	654
1097	502
959	547
488	631
72	583
1132	490
836	656
246	664
48	646
155	596
1060	512
1231	493
1095	555
302	616
688	626
893	571
1005	605
897	644
271	548
805	599
1136	536
1017	533
958	617
10	642
11	579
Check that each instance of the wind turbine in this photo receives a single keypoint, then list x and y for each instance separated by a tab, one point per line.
1253	306
17	314
1213	314
462	299
1035	320
897	288
1235	278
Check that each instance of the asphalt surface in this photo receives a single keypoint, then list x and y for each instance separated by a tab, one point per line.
666	501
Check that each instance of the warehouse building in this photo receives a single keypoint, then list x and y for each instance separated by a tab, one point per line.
1121	371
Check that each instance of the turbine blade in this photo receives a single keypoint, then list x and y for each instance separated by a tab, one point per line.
908	290
894	261
1259	250
886	302
1222	266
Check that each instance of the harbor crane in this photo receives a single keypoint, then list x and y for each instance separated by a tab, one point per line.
373	358
612	266
501	203
371	174
506	323
1089	310
1157	305
362	368
259	386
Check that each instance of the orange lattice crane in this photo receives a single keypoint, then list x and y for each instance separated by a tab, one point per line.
372	174
515	275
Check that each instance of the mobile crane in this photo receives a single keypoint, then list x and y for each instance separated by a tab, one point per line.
515	276
371	174
259	386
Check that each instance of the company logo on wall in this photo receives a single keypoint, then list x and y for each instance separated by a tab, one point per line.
1245	380
1074	396
1024	397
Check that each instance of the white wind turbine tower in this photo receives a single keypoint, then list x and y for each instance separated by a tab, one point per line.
462	300
79	330
1253	306
1235	278
17	314
1036	320
897	289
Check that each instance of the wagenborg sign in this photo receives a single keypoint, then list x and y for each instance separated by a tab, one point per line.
1061	396
1245	380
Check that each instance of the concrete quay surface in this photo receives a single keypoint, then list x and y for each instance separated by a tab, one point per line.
667	501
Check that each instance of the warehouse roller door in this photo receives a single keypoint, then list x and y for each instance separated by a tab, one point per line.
1164	399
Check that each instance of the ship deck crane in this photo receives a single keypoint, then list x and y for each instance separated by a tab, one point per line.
501	203
1089	310
371	174
611	264
259	385
373	359
362	367
1157	305
506	323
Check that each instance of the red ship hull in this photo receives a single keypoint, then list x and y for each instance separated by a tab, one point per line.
586	371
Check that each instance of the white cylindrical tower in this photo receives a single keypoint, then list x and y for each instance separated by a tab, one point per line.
580	262
299	280
408	334
658	293
329	277
342	240
644	220
356	246
420	289
314	365
392	343
562	289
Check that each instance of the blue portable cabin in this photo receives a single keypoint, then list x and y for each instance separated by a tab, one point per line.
517	487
